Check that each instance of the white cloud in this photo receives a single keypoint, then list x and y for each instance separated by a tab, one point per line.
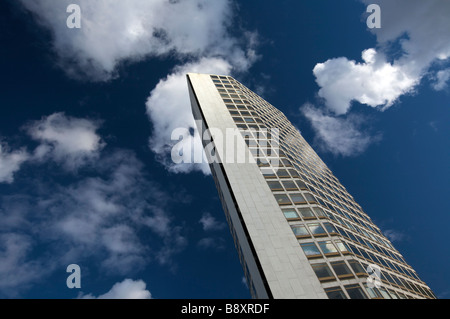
113	31
10	162
127	289
441	80
373	82
168	108
210	223
70	141
338	135
421	28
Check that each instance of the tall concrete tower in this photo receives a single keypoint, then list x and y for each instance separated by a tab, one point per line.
298	232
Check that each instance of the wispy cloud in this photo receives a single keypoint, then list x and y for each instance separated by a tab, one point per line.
214	243
395	235
210	223
71	142
342	136
17	270
441	80
10	162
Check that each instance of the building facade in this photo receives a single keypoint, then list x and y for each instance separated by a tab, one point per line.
298	232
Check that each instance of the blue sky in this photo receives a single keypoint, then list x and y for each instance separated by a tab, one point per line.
85	170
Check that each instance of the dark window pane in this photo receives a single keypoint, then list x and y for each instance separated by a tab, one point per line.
301	185
275	186
323	272
310	198
282	199
356	266
341	269
297	198
289	185
335	293
355	292
282	173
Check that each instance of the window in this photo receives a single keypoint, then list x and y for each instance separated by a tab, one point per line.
323	272
311	250
301	185
262	162
335	293
275	186
285	162
297	198
328	248
317	229
342	247
341	269
310	198
307	213
290	213
384	293
372	292
355	292
282	173
393	294
300	231
357	268
282	199
319	212
289	185
268	173
330	228
293	173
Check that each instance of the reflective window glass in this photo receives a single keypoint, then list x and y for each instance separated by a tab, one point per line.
317	229
328	247
310	249
300	230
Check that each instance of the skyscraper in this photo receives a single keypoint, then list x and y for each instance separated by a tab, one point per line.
298	232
